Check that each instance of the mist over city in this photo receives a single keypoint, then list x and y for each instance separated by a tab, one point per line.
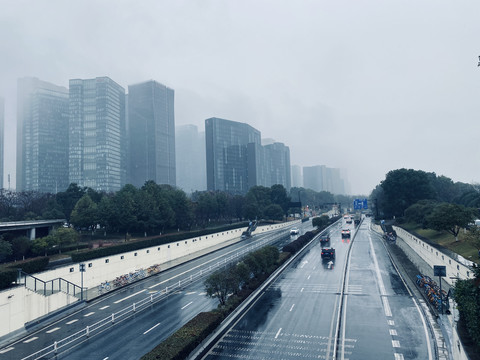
363	88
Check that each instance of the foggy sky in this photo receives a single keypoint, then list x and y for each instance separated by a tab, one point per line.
368	86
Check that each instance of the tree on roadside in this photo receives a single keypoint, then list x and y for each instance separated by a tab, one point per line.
5	249
450	217
320	221
64	237
84	214
467	297
21	247
221	283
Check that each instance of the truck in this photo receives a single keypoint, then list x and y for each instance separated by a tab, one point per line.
357	219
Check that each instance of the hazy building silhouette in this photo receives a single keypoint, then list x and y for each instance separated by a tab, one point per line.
2	139
97	151
297	180
268	165
190	158
226	154
321	178
151	134
42	136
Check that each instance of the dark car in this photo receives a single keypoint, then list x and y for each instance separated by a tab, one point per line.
328	253
345	233
324	239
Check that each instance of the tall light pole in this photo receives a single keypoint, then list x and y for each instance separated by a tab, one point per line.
82	270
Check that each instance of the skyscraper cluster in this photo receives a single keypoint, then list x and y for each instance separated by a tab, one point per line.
97	135
94	135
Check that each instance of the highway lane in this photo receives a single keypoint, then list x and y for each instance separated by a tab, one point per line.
298	316
125	297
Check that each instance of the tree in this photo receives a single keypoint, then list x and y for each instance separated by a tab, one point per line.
418	212
84	214
403	188
219	285
450	217
467	296
5	249
274	212
320	221
279	197
473	237
69	198
20	246
65	236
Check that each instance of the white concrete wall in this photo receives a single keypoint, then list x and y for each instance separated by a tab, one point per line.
25	305
456	268
20	305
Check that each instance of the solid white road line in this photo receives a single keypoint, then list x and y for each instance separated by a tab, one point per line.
128	297
278	333
190	303
153	327
292	307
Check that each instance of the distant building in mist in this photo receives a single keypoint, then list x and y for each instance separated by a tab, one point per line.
190	158
321	178
151	134
268	165
97	151
297	180
2	139
226	154
237	160
42	136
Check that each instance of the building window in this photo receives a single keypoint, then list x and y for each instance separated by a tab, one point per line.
71	269
135	254
122	257
107	261
158	248
90	264
148	251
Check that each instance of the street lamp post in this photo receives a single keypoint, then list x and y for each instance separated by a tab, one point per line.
82	270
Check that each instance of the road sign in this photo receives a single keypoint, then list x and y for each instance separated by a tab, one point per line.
365	204
357	204
439	270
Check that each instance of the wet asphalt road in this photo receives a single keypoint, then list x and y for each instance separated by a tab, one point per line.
299	317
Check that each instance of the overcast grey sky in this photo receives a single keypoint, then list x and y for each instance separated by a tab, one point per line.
369	86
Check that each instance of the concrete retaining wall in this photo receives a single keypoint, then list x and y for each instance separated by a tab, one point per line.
26	306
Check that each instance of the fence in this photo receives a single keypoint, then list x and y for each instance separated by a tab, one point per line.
48	287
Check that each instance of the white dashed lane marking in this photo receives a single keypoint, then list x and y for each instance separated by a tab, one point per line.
30	340
72	321
89	314
53	330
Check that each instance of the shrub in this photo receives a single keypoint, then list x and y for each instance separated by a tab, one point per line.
7	277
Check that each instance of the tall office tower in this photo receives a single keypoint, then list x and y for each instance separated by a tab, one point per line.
151	134
42	136
278	168
297	180
226	151
314	177
97	152
268	165
190	154
2	139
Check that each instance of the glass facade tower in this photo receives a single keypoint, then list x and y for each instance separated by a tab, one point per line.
190	154
226	154
42	136
151	134
2	139
97	151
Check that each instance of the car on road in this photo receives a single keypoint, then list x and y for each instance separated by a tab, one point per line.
345	233
324	239
294	231
328	253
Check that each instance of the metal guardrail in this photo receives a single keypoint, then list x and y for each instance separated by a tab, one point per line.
125	313
49	287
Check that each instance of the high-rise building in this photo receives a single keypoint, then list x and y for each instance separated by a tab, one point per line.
2	139
42	136
268	165
321	178
314	177
190	155
226	154
97	151
151	134
297	180
278	165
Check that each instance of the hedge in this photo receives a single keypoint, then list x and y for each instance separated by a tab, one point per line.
8	274
7	277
